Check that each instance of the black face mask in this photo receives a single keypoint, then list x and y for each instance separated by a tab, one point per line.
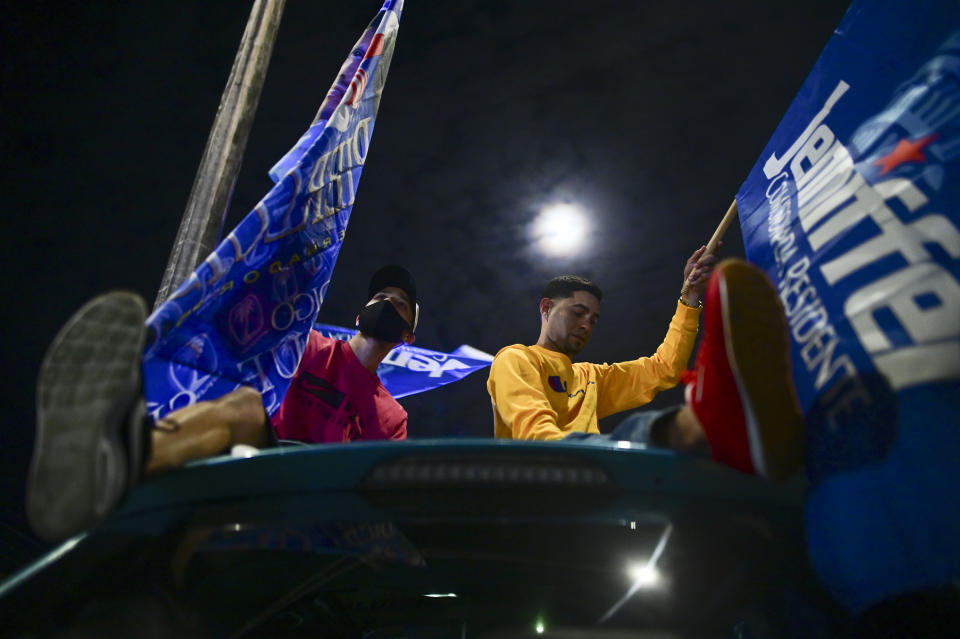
382	321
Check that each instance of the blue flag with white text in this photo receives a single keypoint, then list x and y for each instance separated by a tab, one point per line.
853	210
243	316
408	370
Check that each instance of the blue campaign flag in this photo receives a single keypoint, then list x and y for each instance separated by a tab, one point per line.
408	370
243	316
853	210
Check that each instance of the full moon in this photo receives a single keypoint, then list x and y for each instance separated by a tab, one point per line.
560	229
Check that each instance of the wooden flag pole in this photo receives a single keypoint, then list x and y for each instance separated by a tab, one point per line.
717	236
202	220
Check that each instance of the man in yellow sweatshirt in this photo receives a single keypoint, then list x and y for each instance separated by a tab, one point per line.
741	406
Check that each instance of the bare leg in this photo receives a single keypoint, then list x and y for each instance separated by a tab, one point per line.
682	432
687	433
206	429
91	425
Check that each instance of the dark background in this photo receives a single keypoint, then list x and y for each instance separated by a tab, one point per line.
647	114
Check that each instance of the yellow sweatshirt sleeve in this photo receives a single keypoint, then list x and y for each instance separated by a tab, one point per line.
631	384
518	397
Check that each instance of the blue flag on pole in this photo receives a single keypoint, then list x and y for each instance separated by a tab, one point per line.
243	316
853	210
408	370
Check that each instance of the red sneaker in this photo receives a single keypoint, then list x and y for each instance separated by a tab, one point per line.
741	388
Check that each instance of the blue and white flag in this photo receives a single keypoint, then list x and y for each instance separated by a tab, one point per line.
408	370
853	210
243	316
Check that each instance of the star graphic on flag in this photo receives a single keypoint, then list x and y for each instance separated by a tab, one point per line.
905	151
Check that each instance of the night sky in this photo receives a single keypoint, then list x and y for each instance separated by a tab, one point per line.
647	115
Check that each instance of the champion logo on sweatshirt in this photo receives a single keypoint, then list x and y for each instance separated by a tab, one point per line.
557	384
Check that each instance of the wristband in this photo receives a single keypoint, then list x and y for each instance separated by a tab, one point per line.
699	304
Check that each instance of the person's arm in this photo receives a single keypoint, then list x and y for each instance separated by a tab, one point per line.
631	384
400	428
390	421
310	350
518	397
696	274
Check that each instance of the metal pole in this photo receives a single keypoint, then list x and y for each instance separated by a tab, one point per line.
202	220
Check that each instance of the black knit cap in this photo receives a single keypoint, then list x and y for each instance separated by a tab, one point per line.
393	275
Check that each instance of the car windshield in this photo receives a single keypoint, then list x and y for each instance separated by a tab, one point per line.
510	576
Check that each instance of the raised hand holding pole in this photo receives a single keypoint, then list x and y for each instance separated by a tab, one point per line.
715	239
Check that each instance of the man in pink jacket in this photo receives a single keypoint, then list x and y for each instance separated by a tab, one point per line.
335	395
